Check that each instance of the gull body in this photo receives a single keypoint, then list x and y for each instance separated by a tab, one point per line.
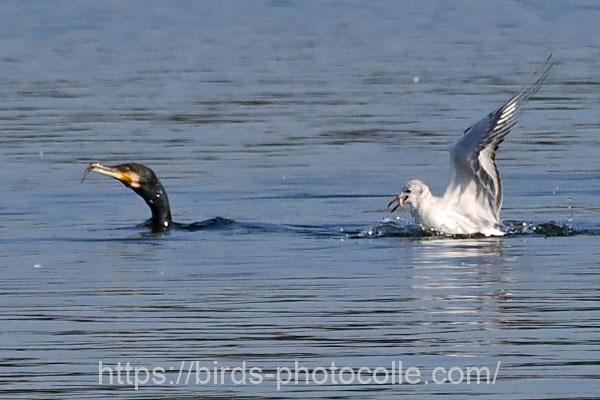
471	204
445	215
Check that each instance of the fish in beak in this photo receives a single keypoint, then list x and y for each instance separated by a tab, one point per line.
398	201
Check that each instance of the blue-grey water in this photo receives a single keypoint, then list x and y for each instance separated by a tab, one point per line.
298	121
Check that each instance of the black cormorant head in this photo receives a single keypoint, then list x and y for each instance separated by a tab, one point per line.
145	183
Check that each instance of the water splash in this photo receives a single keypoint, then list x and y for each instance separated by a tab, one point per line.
392	229
512	228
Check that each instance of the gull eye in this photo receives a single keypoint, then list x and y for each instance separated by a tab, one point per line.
407	191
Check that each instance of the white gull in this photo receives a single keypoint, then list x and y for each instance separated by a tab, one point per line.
472	201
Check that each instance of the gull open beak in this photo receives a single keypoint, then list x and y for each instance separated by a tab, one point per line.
128	178
398	201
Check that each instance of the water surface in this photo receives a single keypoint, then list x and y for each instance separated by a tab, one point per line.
298	121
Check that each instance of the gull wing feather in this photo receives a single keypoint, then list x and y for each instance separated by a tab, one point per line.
473	157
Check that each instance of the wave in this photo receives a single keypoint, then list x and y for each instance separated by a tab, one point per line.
209	224
384	229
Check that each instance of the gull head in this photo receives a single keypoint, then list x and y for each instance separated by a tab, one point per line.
412	193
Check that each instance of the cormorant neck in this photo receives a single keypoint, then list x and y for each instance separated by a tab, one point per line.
158	201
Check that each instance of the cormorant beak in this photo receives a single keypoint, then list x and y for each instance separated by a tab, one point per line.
398	201
128	178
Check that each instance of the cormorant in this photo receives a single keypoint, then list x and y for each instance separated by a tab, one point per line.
145	183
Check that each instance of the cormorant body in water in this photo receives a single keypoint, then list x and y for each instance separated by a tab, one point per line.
145	183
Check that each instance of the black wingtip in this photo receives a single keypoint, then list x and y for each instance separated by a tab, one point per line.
546	66
540	75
